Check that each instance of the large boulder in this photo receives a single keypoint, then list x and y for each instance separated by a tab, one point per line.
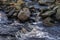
24	14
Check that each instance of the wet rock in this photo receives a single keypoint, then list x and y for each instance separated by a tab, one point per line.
51	6
35	16
48	21
24	14
7	38
32	9
14	14
46	2
7	9
47	14
11	12
3	17
43	8
32	38
24	30
55	8
58	14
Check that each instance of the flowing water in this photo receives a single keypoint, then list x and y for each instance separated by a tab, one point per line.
39	31
11	31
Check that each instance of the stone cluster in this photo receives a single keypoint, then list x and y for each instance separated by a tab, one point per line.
24	10
18	16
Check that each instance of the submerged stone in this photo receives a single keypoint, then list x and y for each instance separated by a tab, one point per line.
3	17
48	22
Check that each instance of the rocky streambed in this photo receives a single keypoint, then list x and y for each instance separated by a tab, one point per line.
33	31
11	29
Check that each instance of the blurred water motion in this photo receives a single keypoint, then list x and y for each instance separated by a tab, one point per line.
39	31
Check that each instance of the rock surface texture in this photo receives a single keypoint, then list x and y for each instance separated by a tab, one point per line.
39	16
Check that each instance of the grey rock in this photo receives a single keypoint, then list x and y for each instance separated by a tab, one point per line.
11	12
58	14
46	1
55	8
47	13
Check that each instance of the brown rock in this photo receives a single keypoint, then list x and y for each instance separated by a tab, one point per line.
58	1
24	14
48	21
18	4
58	14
